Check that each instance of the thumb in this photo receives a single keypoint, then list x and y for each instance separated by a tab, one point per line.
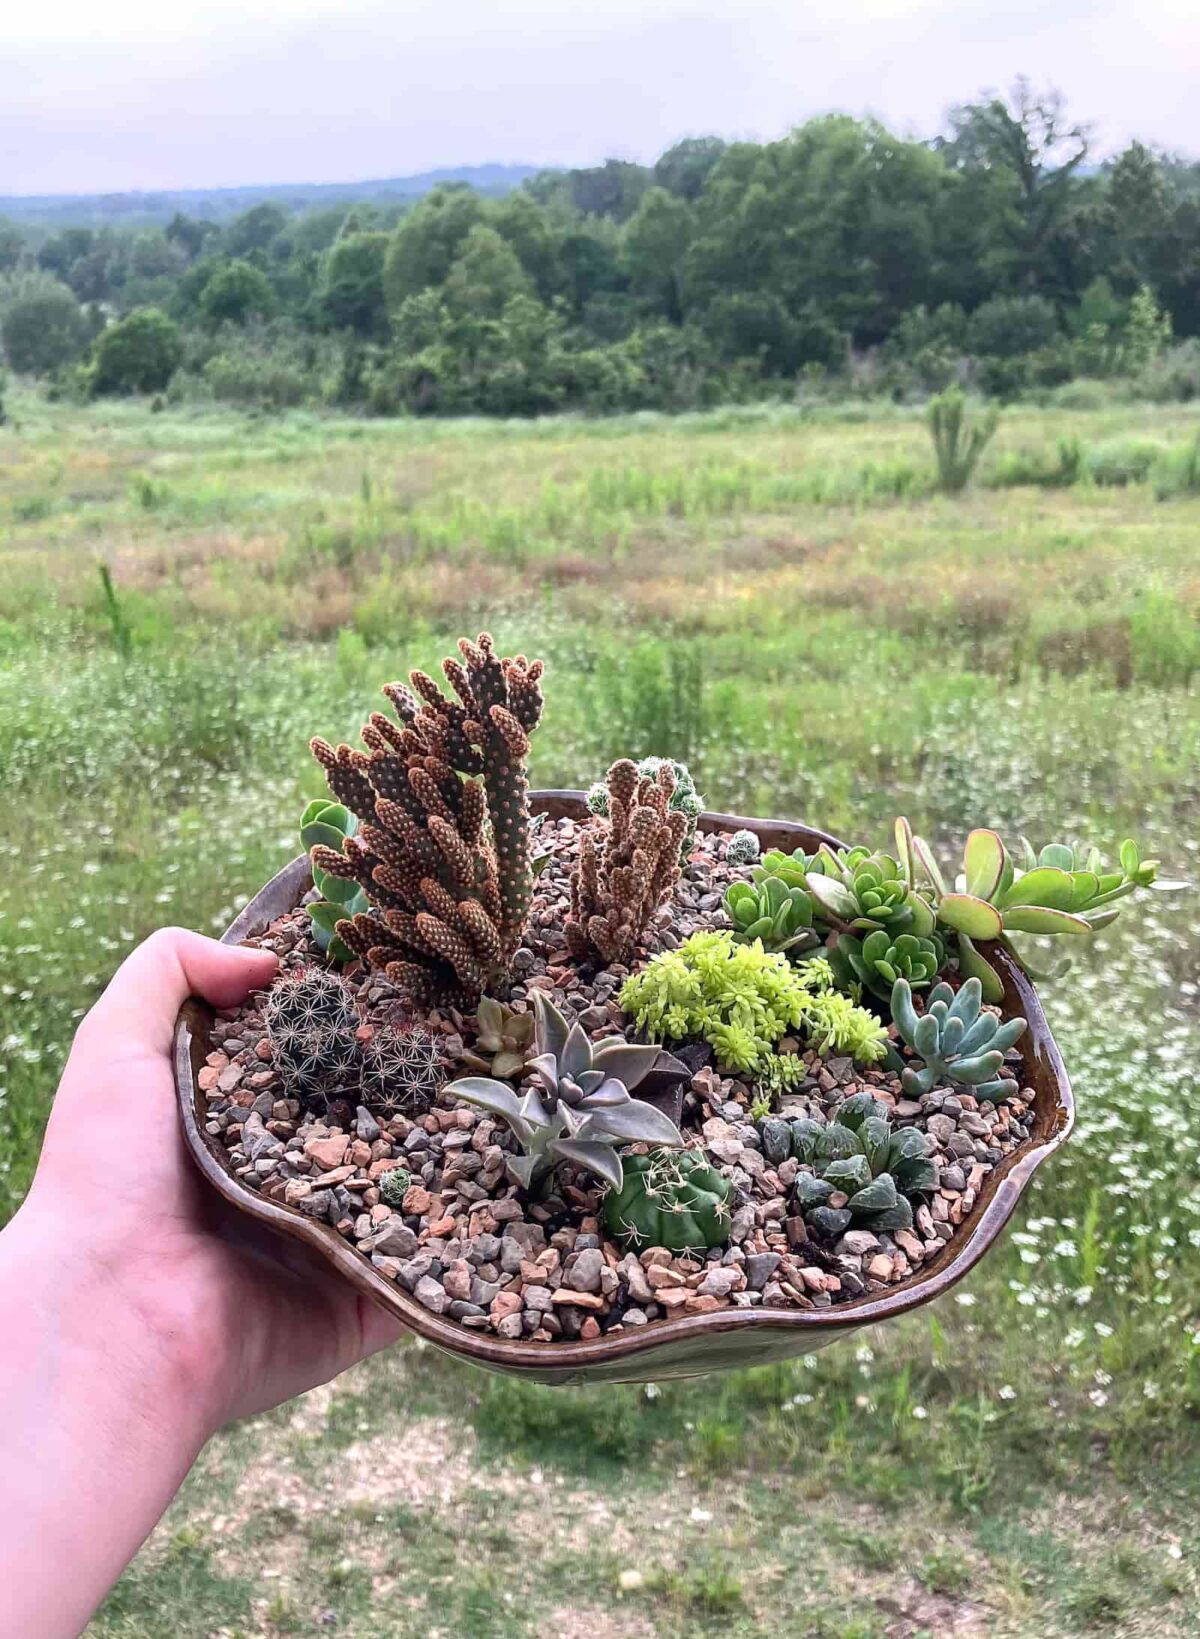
139	1007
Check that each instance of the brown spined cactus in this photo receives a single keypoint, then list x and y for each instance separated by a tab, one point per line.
443	846
627	866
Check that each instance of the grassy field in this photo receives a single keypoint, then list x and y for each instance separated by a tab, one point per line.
785	601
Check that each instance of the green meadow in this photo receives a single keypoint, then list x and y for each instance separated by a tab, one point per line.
783	598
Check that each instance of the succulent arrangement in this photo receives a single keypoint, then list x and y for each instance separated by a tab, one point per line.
442	851
651	1131
580	1108
627	865
955	1039
672	1198
856	1170
881	917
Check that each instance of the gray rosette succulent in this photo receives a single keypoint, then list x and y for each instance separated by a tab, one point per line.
580	1108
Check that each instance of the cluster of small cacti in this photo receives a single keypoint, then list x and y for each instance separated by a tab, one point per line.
955	1039
672	1198
579	1108
627	864
855	1170
685	799
743	1000
443	846
313	1028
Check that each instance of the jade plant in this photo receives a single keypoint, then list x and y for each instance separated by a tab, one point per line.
670	1198
857	1169
955	1038
627	864
743	1000
580	1107
504	1040
684	797
442	851
1061	892
876	961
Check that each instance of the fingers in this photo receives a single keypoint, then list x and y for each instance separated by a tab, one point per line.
145	994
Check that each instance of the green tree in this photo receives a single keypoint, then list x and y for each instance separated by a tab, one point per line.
684	169
424	246
236	291
256	232
1147	329
654	246
12	245
1035	151
522	223
350	291
41	324
138	354
1008	326
485	277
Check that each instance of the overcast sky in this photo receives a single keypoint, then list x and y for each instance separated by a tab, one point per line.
126	94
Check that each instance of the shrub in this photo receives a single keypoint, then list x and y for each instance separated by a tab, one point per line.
1174	376
1164	639
1008	326
1112	466
235	292
42	325
1177	472
138	354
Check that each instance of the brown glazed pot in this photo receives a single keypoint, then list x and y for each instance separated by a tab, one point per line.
681	1347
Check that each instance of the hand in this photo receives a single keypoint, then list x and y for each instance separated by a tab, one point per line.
237	1318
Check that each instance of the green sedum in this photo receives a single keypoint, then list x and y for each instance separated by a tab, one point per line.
743	1000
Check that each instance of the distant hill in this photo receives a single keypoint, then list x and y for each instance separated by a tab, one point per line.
219	204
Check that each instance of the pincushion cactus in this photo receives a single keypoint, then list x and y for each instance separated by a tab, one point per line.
312	1023
394	1186
670	1198
403	1071
443	846
580	1109
742	848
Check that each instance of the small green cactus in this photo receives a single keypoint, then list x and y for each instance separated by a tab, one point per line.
394	1186
742	848
955	1039
670	1198
685	798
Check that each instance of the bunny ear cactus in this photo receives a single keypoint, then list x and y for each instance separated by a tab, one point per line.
955	1038
581	1109
670	1198
1061	892
328	824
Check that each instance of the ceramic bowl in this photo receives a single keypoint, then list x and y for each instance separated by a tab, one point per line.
685	1346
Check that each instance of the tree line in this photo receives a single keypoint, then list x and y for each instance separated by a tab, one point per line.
994	254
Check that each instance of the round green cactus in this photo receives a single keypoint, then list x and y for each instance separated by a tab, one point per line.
670	1198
